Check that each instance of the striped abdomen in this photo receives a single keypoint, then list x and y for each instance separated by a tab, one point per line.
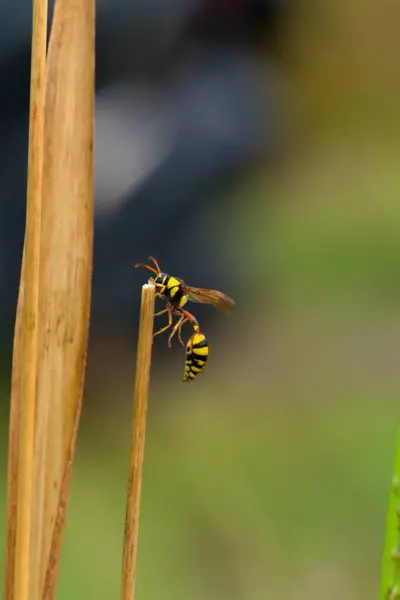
196	356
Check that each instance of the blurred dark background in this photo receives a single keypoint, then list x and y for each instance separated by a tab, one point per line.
182	106
251	146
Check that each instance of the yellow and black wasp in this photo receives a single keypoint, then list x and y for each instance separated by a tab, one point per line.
177	294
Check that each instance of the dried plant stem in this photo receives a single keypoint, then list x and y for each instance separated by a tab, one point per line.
142	380
13	443
26	338
50	581
52	321
65	277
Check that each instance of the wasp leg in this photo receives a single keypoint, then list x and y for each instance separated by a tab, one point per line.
161	312
184	317
160	290
195	326
180	335
166	327
177	328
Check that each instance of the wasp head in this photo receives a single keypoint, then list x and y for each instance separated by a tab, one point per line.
161	280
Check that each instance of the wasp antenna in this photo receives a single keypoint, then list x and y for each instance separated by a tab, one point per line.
146	267
153	260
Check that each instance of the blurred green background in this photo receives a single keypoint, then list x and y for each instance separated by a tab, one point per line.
268	477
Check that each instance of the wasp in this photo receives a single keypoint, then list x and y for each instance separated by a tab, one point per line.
196	355
177	294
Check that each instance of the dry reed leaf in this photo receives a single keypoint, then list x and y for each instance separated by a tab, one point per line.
23	385
65	274
13	443
52	324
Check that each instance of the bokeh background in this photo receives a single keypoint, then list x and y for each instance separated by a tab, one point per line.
250	146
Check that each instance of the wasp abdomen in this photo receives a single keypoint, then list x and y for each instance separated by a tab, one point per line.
197	351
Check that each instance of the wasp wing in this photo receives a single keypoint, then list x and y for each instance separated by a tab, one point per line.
212	297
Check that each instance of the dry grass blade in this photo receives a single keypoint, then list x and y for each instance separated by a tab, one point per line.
54	301
51	574
22	411
141	389
65	274
13	443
